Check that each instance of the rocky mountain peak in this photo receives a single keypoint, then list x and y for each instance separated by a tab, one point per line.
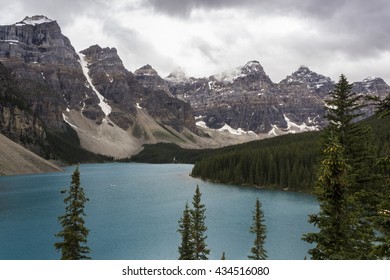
34	20
146	70
372	85
313	81
177	76
94	49
252	67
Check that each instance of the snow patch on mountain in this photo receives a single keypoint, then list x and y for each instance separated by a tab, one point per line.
226	129
201	124
239	131
296	128
103	104
273	132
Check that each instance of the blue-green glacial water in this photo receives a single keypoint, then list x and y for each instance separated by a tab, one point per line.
133	213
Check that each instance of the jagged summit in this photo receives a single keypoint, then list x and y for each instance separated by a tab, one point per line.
252	67
177	76
146	70
34	20
371	85
311	79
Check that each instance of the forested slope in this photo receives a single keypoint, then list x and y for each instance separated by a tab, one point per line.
282	162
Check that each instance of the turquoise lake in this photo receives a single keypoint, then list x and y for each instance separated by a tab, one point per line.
133	213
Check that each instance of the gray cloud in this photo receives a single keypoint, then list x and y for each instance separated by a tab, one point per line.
362	23
335	34
133	48
64	11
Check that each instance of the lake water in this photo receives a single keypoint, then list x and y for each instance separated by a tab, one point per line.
134	210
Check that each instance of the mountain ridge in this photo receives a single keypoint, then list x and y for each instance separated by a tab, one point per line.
115	112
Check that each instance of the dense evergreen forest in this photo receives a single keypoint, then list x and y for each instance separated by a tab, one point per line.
282	162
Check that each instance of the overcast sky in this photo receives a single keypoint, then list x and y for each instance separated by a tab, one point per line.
206	37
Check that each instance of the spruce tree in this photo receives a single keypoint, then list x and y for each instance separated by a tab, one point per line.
333	220
343	112
259	229
74	233
186	249
198	227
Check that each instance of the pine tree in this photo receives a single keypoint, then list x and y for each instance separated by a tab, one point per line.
223	257
259	229
198	227
73	232
186	250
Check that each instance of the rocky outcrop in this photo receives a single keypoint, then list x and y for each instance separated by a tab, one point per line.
150	79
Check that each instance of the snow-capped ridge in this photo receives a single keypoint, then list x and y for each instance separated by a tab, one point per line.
34	20
251	67
371	79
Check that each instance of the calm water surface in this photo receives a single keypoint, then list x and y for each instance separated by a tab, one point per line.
134	210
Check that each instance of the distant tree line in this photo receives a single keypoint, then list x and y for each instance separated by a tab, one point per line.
282	162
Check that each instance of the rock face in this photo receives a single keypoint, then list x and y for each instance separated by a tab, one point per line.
17	121
46	67
305	78
245	98
150	79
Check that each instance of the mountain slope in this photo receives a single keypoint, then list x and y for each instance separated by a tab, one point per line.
15	159
91	91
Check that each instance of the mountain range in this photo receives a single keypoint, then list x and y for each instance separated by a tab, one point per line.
50	92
